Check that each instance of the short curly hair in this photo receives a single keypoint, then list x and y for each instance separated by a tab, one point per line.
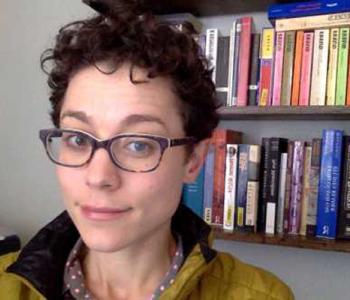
122	32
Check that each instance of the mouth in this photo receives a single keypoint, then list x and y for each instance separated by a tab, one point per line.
103	213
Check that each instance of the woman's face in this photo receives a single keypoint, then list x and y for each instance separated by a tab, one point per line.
114	209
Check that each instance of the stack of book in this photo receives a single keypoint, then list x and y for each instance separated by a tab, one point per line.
279	187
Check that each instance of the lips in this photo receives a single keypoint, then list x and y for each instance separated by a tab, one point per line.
103	213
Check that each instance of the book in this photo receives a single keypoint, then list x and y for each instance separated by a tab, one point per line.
232	50
211	48
277	146
221	81
319	67
230	186
242	180
208	183
251	213
332	66
192	194
288	185
244	61
305	188
329	184
281	192
313	22
343	231
254	70
222	137
235	76
348	88
287	74
266	66
306	8
297	67
278	68
342	68
314	177
306	63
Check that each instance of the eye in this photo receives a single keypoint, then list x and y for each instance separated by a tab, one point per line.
139	146
75	140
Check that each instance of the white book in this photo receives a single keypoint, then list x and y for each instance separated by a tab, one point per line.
281	192
319	67
211	49
230	186
231	61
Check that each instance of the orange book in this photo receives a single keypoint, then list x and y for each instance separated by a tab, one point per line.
297	67
221	137
348	88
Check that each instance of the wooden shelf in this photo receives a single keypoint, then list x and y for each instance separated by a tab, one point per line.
313	113
284	240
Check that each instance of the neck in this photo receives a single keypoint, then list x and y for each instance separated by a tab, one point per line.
130	273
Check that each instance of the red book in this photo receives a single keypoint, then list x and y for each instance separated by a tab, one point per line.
297	67
221	138
306	63
244	61
278	67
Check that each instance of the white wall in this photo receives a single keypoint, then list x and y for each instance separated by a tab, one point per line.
29	194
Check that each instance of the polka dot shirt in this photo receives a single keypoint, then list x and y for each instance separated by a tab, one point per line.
73	281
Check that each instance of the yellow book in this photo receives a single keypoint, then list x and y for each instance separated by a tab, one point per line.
313	22
332	66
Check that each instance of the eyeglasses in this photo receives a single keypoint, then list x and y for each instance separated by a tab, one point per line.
130	152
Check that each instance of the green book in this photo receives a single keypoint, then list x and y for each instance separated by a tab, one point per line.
287	73
342	69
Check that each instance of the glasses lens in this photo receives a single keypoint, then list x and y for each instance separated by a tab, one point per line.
138	154
69	148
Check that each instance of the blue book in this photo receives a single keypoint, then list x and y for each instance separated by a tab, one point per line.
329	184
192	194
209	184
309	8
242	182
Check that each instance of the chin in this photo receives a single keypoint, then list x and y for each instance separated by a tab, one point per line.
103	243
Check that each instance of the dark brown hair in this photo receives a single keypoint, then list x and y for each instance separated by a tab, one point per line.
124	32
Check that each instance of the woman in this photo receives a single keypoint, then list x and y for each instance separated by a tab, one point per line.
133	107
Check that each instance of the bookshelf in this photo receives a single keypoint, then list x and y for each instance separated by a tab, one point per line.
315	115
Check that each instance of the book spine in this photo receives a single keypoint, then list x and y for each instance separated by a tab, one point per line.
281	192
305	189
296	188
319	67
242	180
254	70
297	67
208	183
278	68
344	205
314	178
266	62
348	88
306	64
332	66
221	137
277	146
287	74
211	47
288	187
235	62
193	194
313	22
221	81
231	62
230	186
201	43
253	187
329	184
244	61
340	94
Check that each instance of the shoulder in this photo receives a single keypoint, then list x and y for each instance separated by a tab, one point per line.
236	277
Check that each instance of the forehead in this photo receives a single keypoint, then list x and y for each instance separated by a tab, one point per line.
110	98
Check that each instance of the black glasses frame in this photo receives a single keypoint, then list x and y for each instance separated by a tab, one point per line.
164	142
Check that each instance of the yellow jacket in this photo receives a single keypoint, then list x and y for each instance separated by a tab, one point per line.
36	272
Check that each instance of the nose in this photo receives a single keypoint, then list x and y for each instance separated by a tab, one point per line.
101	173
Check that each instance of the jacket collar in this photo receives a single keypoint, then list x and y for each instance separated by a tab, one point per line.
42	260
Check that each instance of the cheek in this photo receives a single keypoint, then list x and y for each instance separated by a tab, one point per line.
69	183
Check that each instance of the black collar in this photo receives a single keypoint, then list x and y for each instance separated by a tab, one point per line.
42	260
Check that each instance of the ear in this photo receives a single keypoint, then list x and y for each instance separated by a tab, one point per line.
196	160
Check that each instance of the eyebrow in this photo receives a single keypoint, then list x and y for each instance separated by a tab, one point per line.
128	121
